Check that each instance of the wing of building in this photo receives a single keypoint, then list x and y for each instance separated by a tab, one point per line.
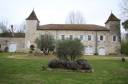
103	40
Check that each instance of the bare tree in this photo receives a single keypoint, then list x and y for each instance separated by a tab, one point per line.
75	18
124	13
3	25
21	28
124	8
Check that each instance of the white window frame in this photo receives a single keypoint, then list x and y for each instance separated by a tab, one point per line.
88	37
82	37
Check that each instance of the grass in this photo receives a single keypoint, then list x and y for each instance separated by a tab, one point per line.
26	69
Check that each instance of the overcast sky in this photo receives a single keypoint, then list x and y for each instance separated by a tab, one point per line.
56	11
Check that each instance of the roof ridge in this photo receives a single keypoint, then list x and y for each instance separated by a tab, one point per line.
85	27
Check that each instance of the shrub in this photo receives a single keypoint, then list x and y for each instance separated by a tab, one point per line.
72	65
69	50
124	47
83	64
44	68
45	43
54	63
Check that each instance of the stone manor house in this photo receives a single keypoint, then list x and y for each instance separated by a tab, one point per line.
103	40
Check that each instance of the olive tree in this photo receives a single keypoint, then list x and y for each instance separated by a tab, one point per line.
3	25
45	43
69	50
124	47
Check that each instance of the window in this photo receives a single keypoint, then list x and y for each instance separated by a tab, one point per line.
114	38
89	37
62	37
71	37
81	37
101	38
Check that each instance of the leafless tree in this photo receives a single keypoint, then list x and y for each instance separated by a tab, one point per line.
75	18
3	25
21	27
124	13
124	8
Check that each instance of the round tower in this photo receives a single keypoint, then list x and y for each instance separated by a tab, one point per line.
113	24
32	23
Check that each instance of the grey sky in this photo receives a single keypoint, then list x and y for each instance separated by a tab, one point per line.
56	11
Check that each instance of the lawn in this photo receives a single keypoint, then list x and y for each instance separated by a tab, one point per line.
26	69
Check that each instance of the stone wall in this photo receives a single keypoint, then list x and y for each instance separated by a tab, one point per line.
20	42
111	47
108	44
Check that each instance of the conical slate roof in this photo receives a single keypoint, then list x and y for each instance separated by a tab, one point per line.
32	16
112	17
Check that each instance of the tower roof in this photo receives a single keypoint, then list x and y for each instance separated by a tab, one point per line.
32	16
112	17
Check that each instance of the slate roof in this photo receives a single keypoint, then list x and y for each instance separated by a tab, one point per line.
32	16
74	27
112	17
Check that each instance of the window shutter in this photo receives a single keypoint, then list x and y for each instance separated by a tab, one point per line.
98	37
86	37
104	38
93	37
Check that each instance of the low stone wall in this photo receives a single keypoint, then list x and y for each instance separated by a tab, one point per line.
5	41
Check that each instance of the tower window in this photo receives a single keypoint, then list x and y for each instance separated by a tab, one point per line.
114	38
101	38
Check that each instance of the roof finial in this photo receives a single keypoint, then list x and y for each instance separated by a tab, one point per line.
111	11
33	9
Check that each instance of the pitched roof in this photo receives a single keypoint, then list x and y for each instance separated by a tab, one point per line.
32	16
112	17
74	27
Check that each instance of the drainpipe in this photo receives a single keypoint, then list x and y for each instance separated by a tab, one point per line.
96	44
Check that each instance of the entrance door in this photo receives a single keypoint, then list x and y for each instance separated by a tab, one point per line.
89	50
12	47
101	51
